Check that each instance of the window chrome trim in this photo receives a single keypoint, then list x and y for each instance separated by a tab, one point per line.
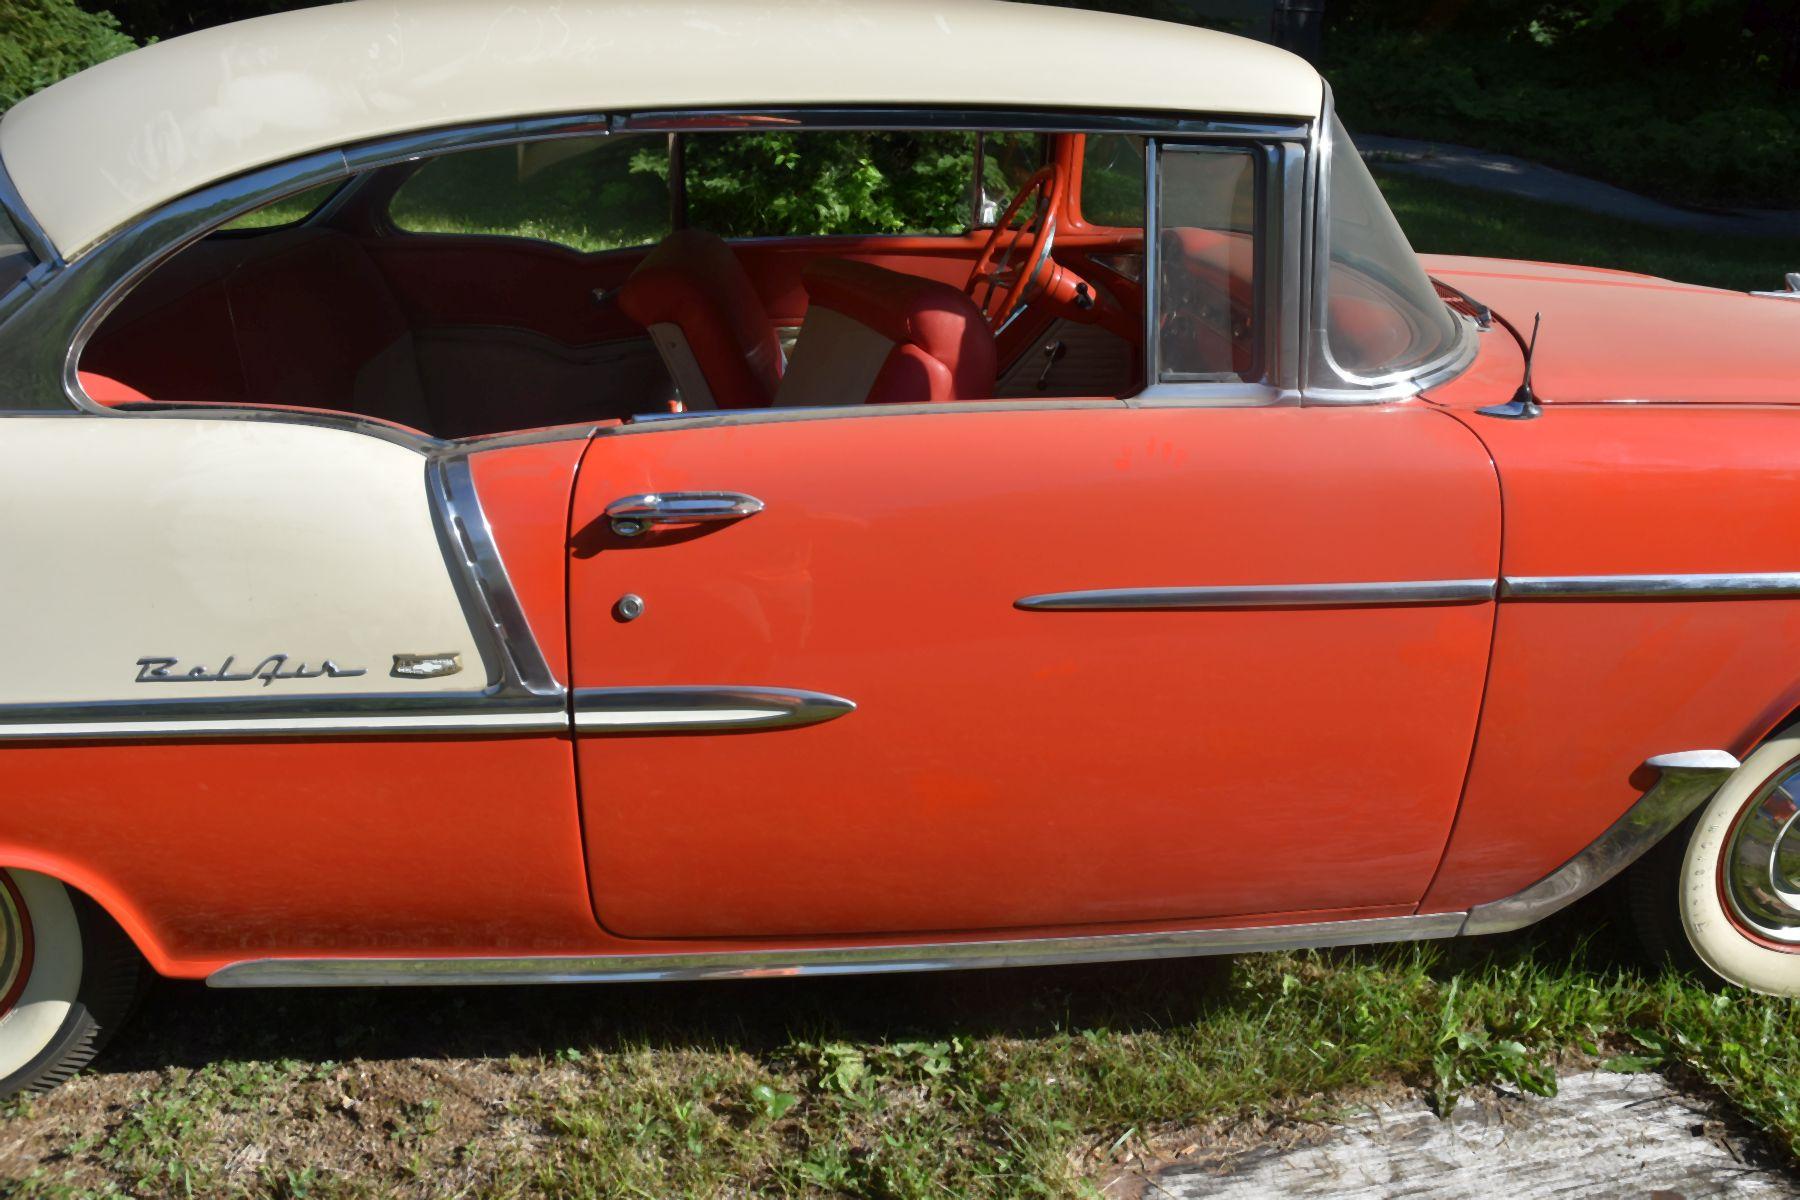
1696	587
516	664
1347	387
901	118
824	961
1283	595
702	708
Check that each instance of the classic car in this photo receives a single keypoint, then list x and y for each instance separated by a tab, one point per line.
484	511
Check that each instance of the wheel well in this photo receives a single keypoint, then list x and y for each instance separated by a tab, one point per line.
105	898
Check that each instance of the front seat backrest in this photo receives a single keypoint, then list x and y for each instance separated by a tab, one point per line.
707	322
880	337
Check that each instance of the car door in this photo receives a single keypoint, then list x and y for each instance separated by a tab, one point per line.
1265	742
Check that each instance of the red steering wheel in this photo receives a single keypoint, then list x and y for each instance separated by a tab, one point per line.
999	287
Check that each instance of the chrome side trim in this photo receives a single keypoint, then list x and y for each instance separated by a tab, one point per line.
1278	595
516	664
1686	780
832	960
356	715
697	709
1542	587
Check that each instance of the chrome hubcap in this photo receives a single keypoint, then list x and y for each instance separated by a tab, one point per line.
1762	862
12	945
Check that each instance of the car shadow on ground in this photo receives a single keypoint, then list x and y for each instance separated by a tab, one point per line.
186	1024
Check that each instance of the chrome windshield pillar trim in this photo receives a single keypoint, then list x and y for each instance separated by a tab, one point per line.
824	961
516	664
1280	595
1698	587
707	708
1686	780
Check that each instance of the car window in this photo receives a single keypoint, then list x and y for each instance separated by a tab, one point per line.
1007	161
16	260
290	211
1207	273
1112	180
602	192
747	185
1383	313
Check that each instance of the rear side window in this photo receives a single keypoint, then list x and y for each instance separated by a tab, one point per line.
282	213
595	193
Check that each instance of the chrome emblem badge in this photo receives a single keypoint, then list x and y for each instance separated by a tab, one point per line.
426	666
168	670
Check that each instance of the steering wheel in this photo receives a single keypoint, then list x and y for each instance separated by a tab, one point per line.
1000	294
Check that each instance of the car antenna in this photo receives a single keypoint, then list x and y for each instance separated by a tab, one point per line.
1524	403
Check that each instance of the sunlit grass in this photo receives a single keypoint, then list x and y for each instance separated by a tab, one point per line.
1442	218
1001	1084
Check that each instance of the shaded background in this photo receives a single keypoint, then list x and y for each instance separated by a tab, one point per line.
1693	101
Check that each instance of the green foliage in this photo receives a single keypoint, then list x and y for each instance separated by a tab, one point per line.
46	40
792	184
1695	101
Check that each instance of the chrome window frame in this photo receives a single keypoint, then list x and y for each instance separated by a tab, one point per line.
1343	386
1274	382
42	340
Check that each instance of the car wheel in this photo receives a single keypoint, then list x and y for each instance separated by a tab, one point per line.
68	977
1722	895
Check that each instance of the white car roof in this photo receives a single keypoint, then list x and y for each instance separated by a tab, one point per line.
92	152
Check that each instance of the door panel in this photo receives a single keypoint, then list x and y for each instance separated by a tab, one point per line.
1006	767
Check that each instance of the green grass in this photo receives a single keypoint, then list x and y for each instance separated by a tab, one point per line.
1004	1084
1441	218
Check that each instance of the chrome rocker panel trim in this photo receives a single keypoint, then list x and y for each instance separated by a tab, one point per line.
837	960
696	709
1697	587
1686	779
1279	595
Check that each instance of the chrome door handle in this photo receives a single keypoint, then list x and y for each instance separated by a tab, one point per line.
632	515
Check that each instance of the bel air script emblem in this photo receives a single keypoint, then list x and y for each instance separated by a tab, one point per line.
168	670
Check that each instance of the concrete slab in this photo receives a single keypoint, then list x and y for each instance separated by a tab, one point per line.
1604	1136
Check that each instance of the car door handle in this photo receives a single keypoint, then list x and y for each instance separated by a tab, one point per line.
632	515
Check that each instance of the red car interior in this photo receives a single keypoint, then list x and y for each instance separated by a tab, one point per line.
702	311
460	335
887	338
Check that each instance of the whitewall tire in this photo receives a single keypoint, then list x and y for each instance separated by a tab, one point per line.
68	977
1721	895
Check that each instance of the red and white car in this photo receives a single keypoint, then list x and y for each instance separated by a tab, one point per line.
451	540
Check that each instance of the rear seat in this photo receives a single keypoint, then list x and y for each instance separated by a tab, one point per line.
299	318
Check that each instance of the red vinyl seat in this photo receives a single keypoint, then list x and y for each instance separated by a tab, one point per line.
707	322
876	336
